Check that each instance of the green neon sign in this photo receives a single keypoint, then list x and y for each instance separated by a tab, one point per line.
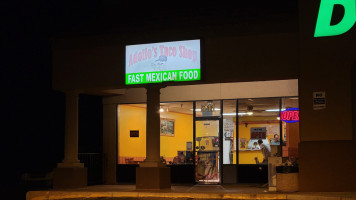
162	76
323	27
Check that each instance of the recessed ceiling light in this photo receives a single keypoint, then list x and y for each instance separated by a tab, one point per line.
198	109
233	114
274	110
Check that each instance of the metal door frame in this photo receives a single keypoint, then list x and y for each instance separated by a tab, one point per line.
220	135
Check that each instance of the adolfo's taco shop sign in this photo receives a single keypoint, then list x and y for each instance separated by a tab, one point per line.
162	62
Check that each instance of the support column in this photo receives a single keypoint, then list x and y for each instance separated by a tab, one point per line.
153	173
153	129
71	132
70	172
110	141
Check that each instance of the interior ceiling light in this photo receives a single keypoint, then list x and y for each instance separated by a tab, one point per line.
198	109
233	114
274	110
161	110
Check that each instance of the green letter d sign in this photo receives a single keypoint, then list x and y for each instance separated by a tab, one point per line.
323	27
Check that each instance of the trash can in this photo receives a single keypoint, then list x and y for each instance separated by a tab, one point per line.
287	178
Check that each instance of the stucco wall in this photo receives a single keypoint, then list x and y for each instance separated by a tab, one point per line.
98	62
327	161
320	64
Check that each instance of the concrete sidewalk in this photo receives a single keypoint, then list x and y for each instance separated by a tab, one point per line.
111	192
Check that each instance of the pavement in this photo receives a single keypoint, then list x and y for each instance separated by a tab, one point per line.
182	192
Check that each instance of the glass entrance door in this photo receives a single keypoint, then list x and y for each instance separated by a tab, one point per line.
207	152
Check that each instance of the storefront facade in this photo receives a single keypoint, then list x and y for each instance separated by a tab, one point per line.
191	135
269	58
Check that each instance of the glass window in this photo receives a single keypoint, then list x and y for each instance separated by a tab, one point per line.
258	120
290	128
229	132
207	151
177	132
131	133
207	108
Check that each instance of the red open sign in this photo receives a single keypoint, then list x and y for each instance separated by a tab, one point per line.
258	132
290	115
258	135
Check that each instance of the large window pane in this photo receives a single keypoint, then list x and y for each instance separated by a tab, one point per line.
208	151
177	132
229	132
131	133
258	119
290	127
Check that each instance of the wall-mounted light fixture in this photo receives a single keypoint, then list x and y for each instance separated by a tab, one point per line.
249	110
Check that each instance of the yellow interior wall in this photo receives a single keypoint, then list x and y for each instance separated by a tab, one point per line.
256	118
131	118
207	130
247	156
134	118
183	133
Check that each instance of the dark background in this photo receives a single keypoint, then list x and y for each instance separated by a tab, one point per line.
33	114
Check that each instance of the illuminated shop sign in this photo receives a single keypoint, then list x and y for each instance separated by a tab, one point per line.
323	27
258	133
290	115
163	62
